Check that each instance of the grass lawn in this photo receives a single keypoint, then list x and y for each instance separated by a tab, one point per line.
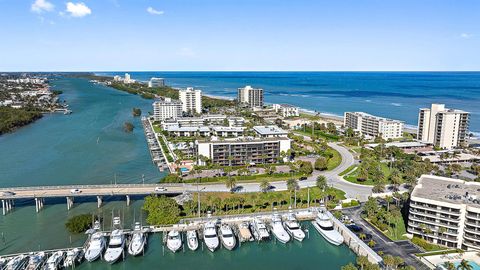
353	176
347	170
396	232
157	128
327	136
247	178
335	160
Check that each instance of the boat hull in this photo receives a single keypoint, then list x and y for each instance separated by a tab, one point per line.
135	251
326	236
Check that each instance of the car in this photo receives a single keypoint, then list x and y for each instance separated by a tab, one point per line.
8	193
160	189
237	189
303	178
355	228
75	191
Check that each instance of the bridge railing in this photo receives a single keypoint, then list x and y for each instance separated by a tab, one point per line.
90	186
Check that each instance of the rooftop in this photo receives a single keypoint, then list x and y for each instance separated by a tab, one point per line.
367	115
448	190
399	144
269	130
242	140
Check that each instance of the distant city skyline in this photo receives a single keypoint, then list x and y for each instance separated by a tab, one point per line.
248	35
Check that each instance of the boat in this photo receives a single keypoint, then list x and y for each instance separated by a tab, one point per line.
3	262
174	241
278	230
116	245
227	237
293	228
96	243
192	240
16	263
259	229
244	233
138	241
55	261
323	224
210	236
73	257
36	261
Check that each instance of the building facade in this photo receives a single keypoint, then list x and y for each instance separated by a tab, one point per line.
286	110
156	82
446	211
238	152
373	126
253	97
191	100
167	109
445	128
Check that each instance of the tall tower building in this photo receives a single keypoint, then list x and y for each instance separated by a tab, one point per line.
253	97
191	100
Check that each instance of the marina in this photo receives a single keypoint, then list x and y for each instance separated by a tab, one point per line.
210	234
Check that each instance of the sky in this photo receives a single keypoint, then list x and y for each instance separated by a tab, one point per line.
204	35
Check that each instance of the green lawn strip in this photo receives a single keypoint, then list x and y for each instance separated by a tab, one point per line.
439	252
389	233
347	170
427	246
369	182
335	160
246	178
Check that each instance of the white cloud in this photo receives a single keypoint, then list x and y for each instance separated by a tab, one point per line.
77	9
153	11
466	35
40	6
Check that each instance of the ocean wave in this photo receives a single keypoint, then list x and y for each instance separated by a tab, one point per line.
396	104
291	95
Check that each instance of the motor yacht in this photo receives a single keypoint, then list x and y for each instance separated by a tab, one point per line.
55	260
116	244
73	257
259	229
210	236
174	241
192	240
293	228
138	241
277	229
16	263
323	224
36	261
227	237
244	233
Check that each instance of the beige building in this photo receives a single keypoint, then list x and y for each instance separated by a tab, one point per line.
253	97
286	110
191	100
446	211
373	126
167	109
445	128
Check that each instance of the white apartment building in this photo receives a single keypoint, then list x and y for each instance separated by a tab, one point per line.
373	126
253	97
167	109
446	211
445	128
270	131
191	100
241	151
156	82
286	110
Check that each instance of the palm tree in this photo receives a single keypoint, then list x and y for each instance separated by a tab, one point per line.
449	266
321	182
464	265
389	261
264	186
231	183
292	186
362	261
372	243
362	236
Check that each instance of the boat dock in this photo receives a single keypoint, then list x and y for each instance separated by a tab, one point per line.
234	221
159	158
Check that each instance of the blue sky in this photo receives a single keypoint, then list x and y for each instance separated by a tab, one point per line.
109	35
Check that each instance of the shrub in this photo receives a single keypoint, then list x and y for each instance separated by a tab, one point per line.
79	224
321	164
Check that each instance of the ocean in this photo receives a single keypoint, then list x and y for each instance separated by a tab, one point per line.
396	95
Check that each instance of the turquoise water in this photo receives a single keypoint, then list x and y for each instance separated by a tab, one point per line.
90	147
473	264
398	95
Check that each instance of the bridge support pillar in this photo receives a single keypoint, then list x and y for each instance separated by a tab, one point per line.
69	203
99	201
37	205
3	207
128	200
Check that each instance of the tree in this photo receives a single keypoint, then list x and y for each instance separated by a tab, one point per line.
79	223
371	243
231	183
264	185
388	260
362	236
128	127
161	210
362	261
136	112
321	182
321	164
464	265
397	261
349	266
449	265
292	185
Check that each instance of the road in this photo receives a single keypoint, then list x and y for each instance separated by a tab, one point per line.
333	179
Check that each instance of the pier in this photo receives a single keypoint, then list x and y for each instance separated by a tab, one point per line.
159	158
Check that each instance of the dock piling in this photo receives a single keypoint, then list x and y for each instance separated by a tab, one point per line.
99	201
128	200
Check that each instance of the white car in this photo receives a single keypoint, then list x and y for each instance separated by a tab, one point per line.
160	189
75	191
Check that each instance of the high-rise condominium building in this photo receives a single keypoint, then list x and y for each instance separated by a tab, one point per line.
446	211
253	97
156	82
373	126
167	109
445	128
191	100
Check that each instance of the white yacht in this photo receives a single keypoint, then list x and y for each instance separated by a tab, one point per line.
259	229
35	261
55	260
210	236
278	230
323	224
293	228
228	239
138	241
192	240
174	241
96	243
16	263
244	233
73	257
115	246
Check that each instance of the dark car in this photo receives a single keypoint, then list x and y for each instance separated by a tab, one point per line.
237	189
303	178
355	228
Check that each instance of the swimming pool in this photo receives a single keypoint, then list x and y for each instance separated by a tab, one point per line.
475	266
